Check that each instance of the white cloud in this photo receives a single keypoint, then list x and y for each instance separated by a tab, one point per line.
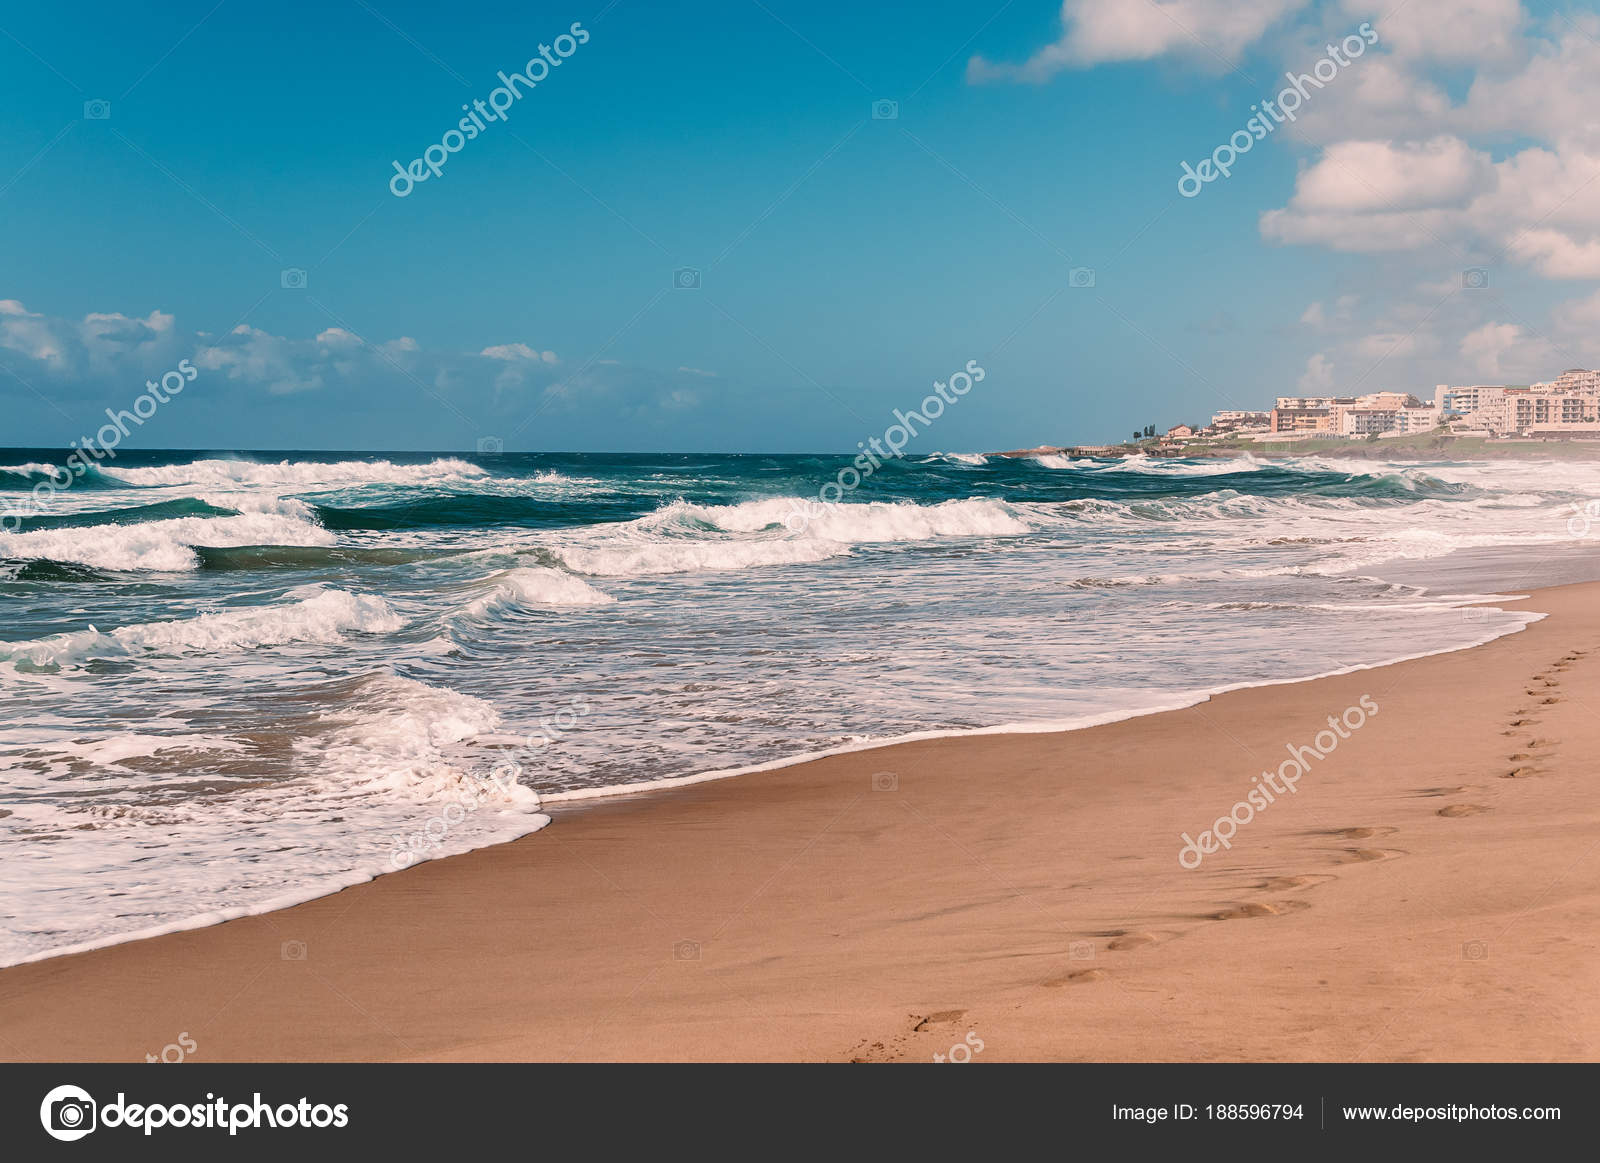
1317	379
1096	31
99	344
252	356
1507	353
1538	207
1403	167
1364	176
516	351
257	379
1323	318
1385	345
338	338
1455	31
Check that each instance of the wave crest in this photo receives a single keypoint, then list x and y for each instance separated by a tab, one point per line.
160	546
325	617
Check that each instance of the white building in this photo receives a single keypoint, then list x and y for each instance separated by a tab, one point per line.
1420	419
1524	409
1467	399
1233	418
1358	422
1373	414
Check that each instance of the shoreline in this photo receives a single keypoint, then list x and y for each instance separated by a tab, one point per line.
580	797
932	886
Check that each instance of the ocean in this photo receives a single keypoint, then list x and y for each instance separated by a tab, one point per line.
234	681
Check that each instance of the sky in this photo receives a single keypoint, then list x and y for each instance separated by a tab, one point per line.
766	225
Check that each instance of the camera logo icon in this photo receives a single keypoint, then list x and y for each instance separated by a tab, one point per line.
490	446
686	279
686	951
68	1113
1081	951
1080	277
293	279
886	110
97	110
293	951
1475	951
1475	279
885	781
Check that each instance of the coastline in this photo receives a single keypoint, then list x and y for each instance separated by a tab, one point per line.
1420	450
537	822
1024	886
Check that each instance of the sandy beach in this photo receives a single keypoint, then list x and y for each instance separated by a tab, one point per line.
1429	891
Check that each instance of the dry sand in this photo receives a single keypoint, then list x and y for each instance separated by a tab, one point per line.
1430	892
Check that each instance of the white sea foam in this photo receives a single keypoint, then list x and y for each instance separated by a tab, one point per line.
1512	623
682	537
662	557
1159	466
165	546
299	475
114	749
34	468
850	523
325	616
391	761
536	586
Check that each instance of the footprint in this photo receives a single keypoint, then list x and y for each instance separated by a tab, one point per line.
1355	833
1259	909
1132	941
1551	699
1457	810
943	1017
1077	977
1364	855
1285	883
1521	773
1522	723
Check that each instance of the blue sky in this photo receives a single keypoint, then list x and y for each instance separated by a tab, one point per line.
845	261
